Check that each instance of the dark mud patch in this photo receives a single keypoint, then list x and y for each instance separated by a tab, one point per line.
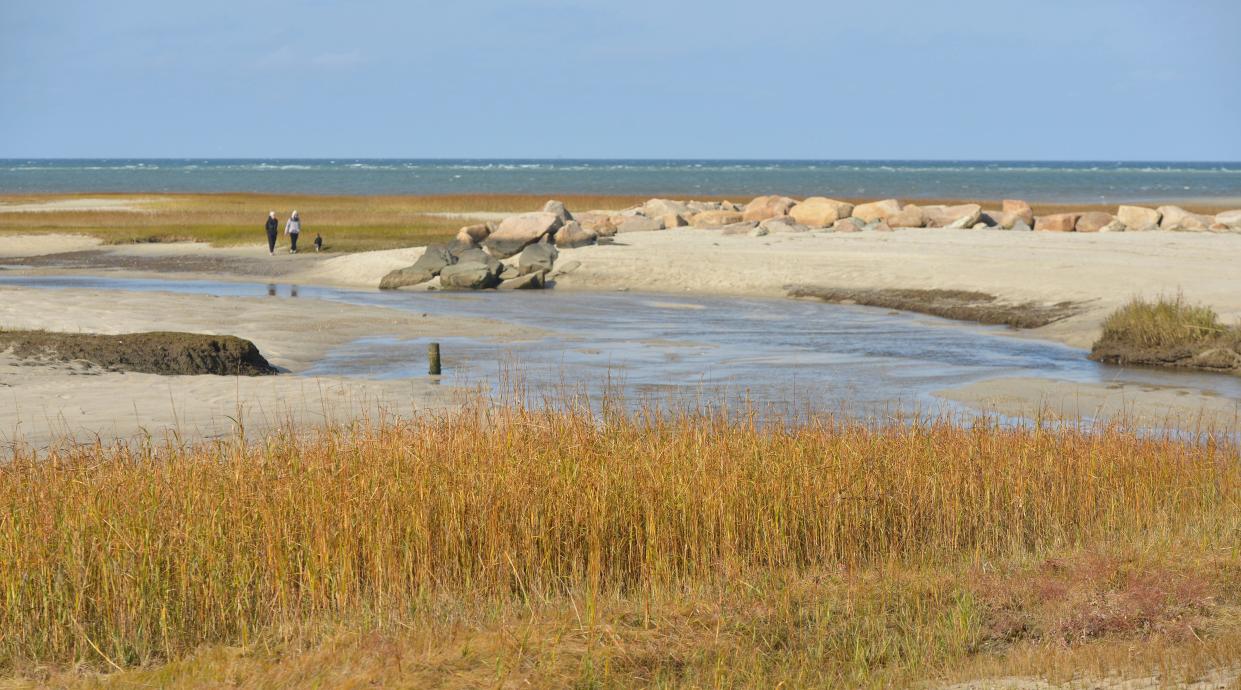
1222	355
961	305
161	352
259	266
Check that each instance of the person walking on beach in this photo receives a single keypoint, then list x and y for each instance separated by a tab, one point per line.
273	229
293	228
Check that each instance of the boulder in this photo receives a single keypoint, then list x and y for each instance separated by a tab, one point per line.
473	234
979	226
530	281
742	228
469	275
479	256
700	206
1021	226
1093	221
636	224
1018	208
433	260
876	210
878	226
574	235
959	216
516	232
674	220
911	216
764	207
820	212
1114	226
1177	218
783	224
658	208
847	225
1220	227
1230	218
715	219
999	219
1137	216
1056	222
536	257
558	208
760	231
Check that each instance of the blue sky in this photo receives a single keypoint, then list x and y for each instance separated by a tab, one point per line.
971	79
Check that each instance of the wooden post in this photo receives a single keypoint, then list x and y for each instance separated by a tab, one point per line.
433	359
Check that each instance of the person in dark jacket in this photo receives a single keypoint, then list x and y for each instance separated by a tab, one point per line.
273	231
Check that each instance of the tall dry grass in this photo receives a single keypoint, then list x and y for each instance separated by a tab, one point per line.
123	556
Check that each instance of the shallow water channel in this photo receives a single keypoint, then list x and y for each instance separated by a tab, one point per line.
664	348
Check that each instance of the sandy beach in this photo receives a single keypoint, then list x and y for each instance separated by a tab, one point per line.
1097	271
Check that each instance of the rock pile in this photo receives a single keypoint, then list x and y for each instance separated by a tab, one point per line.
476	258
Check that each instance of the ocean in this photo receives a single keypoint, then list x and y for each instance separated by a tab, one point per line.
1093	182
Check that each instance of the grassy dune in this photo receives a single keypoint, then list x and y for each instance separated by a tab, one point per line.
502	547
1168	331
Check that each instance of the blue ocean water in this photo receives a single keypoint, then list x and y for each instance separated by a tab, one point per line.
1102	182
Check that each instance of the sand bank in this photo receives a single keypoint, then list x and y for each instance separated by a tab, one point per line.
42	403
1149	406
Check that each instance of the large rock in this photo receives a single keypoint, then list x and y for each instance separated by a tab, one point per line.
959	216
700	206
1018	208
433	260
658	208
479	256
847	225
473	234
536	257
1230	218
468	276
516	232
1021	226
1094	221
911	216
559	209
876	210
999	219
715	219
783	224
1114	226
674	220
764	207
530	281
820	212
1177	218
1056	222
742	228
572	234
1135	217
637	224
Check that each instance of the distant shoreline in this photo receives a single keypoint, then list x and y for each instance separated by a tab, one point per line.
1045	181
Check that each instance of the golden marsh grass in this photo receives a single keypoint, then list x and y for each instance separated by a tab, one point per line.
500	546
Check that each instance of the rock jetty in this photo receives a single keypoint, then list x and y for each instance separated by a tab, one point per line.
520	252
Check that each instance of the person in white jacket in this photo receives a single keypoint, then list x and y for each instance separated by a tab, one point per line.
293	228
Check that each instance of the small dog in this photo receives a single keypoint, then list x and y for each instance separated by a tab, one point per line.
318	242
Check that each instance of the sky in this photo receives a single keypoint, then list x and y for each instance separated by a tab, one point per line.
897	79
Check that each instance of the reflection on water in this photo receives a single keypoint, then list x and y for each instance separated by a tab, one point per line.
770	352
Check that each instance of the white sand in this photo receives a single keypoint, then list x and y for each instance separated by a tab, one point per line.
127	204
14	246
1147	406
1103	270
